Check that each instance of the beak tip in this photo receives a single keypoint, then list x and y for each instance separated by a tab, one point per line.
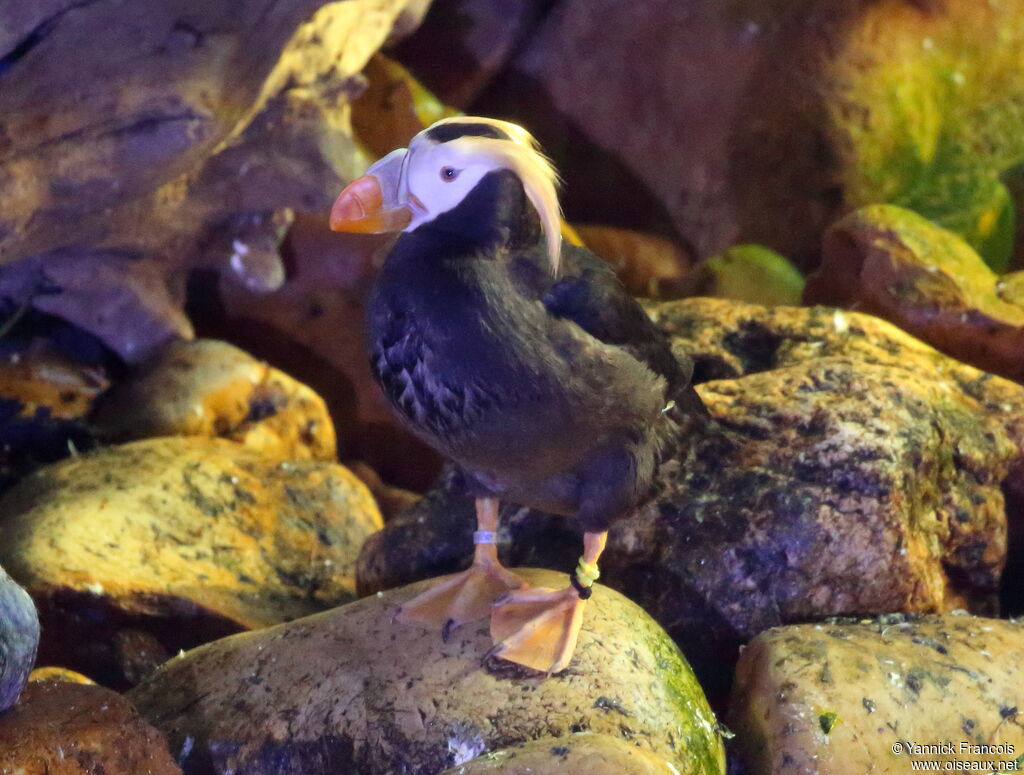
360	209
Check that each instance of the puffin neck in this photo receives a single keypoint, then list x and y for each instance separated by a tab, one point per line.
495	214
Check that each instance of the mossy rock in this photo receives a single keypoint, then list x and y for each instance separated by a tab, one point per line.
894	263
945	102
751	273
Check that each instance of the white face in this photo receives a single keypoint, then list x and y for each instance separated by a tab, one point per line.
436	178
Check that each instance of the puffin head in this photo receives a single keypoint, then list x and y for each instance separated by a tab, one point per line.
412	186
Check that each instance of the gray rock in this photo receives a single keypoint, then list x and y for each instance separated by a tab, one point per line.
19	639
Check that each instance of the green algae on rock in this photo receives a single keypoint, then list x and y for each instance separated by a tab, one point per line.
750	273
894	263
943	103
185	539
849	697
352	690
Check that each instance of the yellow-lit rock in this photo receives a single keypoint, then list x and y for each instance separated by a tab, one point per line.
893	263
58	674
211	388
184	538
647	265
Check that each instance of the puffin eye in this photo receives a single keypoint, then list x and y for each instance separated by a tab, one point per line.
448	174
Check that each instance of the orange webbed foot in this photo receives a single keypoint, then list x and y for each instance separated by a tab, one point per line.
537	628
460	599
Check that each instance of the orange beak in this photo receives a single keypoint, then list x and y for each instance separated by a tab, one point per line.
359	209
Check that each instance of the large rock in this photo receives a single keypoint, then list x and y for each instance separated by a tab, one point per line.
759	121
352	690
19	639
134	552
895	264
62	728
852	470
138	139
849	698
212	389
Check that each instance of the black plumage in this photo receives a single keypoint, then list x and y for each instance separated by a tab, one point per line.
552	392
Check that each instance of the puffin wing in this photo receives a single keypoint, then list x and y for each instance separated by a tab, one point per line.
589	294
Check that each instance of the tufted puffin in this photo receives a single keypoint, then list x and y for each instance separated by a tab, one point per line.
522	360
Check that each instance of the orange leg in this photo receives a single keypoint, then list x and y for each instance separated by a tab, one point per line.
467	596
538	628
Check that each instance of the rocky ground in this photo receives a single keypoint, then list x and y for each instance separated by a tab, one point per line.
208	515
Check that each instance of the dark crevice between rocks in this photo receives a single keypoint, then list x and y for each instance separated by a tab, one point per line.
1011	593
37	35
708	368
754	345
81	631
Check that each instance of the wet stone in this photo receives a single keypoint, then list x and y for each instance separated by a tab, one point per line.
353	690
63	728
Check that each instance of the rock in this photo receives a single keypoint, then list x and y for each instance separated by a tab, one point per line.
124	301
38	375
648	265
748	273
393	108
45	393
188	124
391	500
19	639
61	728
895	264
134	552
856	697
582	754
851	470
352	690
480	36
213	389
59	674
761	122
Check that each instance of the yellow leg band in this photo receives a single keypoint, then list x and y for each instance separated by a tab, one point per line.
587	573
